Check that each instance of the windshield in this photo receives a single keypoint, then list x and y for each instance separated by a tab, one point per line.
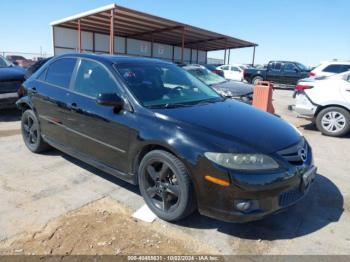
160	84
4	62
302	67
208	77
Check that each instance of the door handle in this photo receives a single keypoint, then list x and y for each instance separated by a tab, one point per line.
33	90
74	106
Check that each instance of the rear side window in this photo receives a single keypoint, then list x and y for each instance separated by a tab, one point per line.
276	66
93	79
333	69
60	72
225	68
233	68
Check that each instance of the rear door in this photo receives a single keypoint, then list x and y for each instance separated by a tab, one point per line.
274	72
50	96
97	131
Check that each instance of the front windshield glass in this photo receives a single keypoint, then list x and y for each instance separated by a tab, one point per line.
4	63
302	67
164	85
208	77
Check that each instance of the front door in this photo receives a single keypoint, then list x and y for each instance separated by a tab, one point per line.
290	74
96	130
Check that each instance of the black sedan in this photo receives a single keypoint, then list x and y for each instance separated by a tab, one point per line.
11	78
151	123
227	88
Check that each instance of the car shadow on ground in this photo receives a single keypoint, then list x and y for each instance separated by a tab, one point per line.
10	115
312	127
323	205
95	171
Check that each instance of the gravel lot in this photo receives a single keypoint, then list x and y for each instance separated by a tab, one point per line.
41	190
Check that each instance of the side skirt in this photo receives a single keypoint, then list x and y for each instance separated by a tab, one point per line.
130	178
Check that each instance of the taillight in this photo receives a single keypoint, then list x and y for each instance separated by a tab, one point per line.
216	71
303	87
311	74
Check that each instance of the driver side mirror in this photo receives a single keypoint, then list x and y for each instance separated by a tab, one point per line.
110	99
15	63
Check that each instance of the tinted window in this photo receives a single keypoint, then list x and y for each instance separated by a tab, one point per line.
59	72
333	69
276	66
289	67
233	68
225	68
345	68
93	79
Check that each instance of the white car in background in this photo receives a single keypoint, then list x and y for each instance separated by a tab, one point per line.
326	101
232	72
330	68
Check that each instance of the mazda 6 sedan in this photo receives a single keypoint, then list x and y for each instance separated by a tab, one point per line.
153	124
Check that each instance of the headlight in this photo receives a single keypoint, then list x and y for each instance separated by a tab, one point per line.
243	161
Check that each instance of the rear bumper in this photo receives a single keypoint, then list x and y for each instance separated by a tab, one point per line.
8	100
304	107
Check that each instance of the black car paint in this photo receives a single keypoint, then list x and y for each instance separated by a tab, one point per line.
116	141
241	91
276	76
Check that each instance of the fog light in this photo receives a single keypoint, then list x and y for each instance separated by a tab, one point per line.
243	205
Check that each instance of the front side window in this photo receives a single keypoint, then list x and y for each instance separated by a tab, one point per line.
345	68
59	72
163	85
289	67
93	79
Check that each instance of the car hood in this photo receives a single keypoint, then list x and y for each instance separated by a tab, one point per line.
11	73
237	122
236	88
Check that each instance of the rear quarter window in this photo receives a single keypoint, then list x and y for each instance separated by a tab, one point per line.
332	69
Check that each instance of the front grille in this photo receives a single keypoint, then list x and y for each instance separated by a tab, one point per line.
9	86
293	154
289	197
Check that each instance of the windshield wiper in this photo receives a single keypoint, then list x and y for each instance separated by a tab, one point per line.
170	105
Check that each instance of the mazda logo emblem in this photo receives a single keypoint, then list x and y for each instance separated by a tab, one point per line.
302	154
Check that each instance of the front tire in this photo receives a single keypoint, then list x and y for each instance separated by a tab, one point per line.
166	186
31	132
333	121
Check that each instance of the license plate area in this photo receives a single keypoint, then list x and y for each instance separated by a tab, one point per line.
307	178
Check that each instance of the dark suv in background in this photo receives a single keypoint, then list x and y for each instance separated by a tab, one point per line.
151	123
11	78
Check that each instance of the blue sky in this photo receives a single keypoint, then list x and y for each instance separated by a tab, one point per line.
304	31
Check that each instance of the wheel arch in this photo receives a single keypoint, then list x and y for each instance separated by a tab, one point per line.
24	103
322	107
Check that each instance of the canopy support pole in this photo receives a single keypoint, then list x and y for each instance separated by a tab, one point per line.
79	36
253	56
111	33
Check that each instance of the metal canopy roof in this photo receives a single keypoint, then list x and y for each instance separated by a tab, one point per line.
142	26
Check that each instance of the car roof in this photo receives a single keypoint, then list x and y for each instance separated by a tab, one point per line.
114	58
336	63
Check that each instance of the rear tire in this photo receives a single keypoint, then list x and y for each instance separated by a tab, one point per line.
256	80
31	134
333	121
166	186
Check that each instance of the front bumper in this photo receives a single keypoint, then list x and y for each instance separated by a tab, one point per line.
8	100
268	193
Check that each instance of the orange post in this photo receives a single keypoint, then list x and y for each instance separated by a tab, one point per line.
262	97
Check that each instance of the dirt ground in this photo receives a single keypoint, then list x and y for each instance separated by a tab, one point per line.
103	227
